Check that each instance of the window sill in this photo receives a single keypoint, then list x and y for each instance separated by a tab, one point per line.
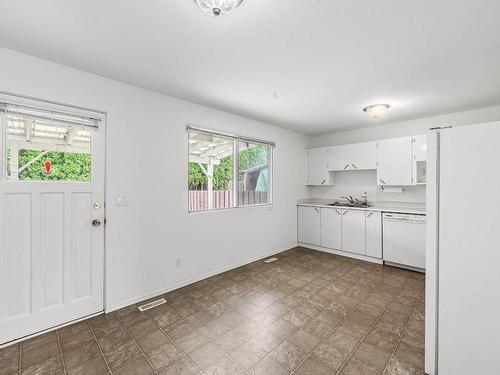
269	205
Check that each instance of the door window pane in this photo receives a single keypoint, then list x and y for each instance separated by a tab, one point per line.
254	174
45	150
210	175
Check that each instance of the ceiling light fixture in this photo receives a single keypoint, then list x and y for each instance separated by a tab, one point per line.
218	7
376	110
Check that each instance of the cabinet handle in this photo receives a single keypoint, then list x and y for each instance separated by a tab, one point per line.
322	182
338	212
370	214
346	166
343	213
354	165
317	210
382	181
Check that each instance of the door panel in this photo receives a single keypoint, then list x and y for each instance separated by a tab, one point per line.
52	248
364	155
17	255
353	231
394	157
374	234
81	245
309	225
340	158
468	250
51	257
331	228
317	166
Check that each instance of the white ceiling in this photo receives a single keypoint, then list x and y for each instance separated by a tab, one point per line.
307	65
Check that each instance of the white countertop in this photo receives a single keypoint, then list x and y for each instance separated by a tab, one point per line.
396	207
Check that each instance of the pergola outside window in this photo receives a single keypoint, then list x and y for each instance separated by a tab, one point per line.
227	171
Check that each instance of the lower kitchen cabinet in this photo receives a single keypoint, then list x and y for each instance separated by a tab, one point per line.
309	225
374	234
353	231
331	228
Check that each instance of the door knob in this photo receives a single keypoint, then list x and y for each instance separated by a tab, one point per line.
96	223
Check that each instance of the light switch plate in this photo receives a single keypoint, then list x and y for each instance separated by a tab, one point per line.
122	201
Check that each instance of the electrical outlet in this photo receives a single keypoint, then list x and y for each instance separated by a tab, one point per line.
178	263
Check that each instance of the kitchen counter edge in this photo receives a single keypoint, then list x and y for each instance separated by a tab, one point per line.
375	207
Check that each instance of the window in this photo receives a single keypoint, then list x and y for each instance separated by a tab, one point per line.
44	146
227	171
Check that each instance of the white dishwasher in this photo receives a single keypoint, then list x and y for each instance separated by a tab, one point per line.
404	240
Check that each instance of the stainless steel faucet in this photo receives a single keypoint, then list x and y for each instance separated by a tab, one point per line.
350	199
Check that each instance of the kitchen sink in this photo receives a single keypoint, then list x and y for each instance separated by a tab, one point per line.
342	204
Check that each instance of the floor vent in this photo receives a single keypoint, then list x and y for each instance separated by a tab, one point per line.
270	260
150	305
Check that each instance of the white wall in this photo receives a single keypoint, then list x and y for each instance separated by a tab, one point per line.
355	183
147	161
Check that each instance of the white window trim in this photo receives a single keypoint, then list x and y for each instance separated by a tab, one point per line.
236	145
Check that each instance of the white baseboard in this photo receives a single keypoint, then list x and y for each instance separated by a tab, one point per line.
341	253
192	280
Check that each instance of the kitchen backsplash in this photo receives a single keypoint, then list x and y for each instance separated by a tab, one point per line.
356	182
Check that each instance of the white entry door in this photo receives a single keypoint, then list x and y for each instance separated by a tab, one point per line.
51	218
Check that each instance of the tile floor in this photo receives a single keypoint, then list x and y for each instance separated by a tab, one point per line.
309	313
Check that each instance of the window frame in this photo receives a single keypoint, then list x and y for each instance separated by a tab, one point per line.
39	109
235	139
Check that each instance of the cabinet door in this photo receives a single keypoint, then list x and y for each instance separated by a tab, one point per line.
419	159
364	155
340	158
353	231
308	225
394	157
420	147
331	228
374	234
317	166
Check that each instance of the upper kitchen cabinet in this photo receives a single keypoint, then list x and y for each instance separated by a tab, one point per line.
317	168
340	158
419	159
364	155
395	159
355	156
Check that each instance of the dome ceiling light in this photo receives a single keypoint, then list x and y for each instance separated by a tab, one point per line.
376	110
218	7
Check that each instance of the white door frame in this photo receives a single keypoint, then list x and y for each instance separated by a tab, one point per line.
18	99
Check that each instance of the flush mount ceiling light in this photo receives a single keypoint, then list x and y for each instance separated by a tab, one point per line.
218	7
376	110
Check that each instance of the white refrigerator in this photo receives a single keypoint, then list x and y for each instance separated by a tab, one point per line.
463	251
